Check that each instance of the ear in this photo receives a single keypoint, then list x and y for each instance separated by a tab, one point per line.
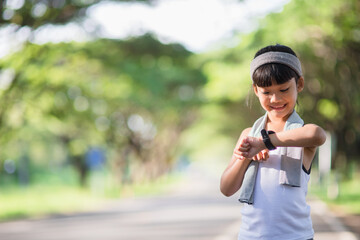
300	84
255	90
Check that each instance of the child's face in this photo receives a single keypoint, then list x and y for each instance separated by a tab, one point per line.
279	100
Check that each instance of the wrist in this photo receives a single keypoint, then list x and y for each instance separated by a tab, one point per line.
266	139
262	144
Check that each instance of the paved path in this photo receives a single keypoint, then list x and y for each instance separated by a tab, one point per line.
192	211
326	225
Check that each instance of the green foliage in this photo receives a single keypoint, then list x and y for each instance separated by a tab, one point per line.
328	108
325	36
348	195
137	98
132	98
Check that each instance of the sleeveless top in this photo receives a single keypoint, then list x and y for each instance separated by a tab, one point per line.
291	160
279	211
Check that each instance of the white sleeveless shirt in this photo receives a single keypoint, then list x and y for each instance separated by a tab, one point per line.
279	211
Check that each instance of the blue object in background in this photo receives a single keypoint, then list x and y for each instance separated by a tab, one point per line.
95	158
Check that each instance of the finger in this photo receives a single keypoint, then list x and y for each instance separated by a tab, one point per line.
240	154
244	148
240	157
244	145
261	156
244	141
241	150
244	154
265	150
266	155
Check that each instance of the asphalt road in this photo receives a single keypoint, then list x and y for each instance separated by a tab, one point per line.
193	210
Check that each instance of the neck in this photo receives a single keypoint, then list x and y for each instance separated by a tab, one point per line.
276	124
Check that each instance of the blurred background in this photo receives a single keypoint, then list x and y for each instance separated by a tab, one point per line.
109	99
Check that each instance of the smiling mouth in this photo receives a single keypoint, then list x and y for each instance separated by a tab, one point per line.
278	108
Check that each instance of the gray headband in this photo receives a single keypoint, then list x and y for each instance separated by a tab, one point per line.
276	57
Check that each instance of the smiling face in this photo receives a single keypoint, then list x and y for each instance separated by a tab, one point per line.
279	100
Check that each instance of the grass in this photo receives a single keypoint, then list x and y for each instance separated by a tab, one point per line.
348	198
55	197
35	201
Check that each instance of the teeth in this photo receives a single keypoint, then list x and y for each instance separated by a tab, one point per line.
279	107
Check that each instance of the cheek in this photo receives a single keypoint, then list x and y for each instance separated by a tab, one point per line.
292	97
290	94
261	98
264	101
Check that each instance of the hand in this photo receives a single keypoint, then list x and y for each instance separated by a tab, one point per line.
261	156
242	150
252	148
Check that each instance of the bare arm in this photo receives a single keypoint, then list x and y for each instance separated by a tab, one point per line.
233	175
309	137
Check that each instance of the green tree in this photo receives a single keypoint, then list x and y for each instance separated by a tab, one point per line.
325	35
133	97
31	15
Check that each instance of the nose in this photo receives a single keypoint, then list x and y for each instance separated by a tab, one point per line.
275	98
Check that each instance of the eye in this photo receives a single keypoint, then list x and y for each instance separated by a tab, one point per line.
265	93
284	90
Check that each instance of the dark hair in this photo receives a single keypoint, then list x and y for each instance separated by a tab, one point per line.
280	73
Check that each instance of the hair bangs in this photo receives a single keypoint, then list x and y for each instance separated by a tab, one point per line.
266	74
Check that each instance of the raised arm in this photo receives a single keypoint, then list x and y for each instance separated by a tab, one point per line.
309	137
233	175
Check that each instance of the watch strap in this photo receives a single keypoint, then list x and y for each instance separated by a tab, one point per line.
266	139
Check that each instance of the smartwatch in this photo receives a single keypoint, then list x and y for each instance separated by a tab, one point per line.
266	139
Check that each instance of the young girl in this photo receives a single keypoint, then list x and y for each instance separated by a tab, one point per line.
272	160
